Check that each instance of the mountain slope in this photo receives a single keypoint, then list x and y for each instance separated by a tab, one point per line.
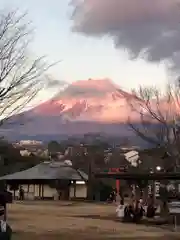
84	106
91	100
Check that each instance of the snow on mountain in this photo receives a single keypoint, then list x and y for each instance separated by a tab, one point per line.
84	106
91	100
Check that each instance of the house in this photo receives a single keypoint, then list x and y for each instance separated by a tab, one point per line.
49	180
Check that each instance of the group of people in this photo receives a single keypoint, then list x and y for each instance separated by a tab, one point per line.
135	210
112	197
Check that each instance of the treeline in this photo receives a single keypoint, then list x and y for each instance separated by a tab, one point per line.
11	160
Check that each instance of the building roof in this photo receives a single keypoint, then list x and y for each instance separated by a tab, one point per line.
48	171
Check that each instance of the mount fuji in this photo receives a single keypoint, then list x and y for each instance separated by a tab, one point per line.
86	106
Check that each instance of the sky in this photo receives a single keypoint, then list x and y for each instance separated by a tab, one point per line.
83	53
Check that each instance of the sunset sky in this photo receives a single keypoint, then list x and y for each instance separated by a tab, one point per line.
90	55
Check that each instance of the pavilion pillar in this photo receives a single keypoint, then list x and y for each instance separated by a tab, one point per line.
74	184
39	191
42	191
34	191
116	170
118	185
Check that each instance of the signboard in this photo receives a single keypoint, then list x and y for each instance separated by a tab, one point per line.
119	169
116	170
157	188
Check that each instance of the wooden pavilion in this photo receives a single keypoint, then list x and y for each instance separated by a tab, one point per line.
49	180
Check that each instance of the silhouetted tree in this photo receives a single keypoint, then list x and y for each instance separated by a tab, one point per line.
53	147
21	75
159	117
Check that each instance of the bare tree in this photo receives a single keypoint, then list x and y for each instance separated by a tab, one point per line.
159	114
21	76
158	124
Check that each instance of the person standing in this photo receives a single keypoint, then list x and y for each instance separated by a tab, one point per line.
21	193
120	210
5	229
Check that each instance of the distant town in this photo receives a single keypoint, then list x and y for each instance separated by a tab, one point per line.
39	148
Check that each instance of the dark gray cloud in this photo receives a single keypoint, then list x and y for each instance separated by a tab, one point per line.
146	28
54	83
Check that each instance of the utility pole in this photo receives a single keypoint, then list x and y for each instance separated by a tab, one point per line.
89	190
90	173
